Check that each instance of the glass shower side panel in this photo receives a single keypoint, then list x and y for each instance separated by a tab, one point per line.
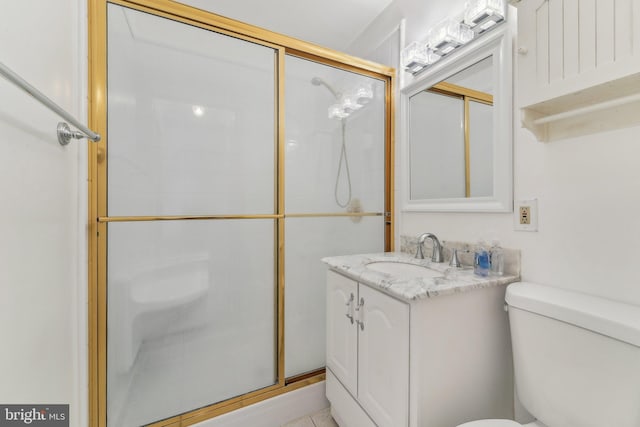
191	119
334	165
308	240
191	316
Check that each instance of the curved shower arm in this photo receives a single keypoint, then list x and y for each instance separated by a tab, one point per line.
317	81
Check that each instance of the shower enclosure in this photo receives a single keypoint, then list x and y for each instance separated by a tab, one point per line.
233	160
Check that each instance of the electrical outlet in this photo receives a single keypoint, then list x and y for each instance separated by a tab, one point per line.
526	215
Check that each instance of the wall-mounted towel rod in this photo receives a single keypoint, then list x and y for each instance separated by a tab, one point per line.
64	132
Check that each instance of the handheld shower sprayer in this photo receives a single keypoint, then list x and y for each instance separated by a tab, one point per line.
317	81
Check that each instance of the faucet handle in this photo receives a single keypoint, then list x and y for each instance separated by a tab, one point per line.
454	262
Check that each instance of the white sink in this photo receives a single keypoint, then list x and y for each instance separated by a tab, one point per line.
402	269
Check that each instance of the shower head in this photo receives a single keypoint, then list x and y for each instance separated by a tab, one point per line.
317	81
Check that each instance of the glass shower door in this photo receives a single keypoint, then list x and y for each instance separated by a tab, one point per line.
191	259
334	191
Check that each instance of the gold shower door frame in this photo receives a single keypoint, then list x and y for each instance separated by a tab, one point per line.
98	217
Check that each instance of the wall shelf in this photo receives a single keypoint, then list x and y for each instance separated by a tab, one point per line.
607	106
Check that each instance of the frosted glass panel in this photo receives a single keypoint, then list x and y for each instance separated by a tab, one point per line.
481	148
190	119
436	135
307	241
314	155
191	316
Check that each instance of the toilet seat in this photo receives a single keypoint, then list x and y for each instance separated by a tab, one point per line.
491	423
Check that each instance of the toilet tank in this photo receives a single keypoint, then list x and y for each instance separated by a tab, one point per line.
576	357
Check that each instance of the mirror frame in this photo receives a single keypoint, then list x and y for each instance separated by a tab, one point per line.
496	43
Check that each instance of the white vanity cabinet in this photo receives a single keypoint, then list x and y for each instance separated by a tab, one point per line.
368	349
399	361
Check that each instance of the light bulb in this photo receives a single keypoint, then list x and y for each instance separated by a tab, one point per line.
481	15
349	103
363	93
417	56
448	35
336	112
198	110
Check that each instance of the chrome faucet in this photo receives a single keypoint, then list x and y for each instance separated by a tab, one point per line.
436	255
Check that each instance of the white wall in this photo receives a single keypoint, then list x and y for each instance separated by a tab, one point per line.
588	190
419	15
43	209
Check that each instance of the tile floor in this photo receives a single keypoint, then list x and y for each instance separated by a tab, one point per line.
318	419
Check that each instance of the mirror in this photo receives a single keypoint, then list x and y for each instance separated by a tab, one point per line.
457	138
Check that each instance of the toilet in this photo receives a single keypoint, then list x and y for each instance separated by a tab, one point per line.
576	358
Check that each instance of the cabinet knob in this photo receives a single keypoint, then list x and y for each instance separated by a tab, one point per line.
523	50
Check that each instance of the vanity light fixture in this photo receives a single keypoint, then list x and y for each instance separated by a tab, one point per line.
417	56
452	33
351	101
480	15
448	35
363	93
337	112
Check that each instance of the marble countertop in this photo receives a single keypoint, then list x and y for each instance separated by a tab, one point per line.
408	287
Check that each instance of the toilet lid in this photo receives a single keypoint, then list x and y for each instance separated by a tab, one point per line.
491	423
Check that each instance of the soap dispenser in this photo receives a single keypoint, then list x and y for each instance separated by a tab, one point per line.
496	259
482	261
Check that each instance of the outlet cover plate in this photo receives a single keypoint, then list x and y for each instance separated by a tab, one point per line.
519	206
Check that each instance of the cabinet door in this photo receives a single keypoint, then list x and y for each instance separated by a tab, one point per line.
383	358
571	45
342	335
532	57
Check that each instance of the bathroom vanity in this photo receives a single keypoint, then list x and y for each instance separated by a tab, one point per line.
411	346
